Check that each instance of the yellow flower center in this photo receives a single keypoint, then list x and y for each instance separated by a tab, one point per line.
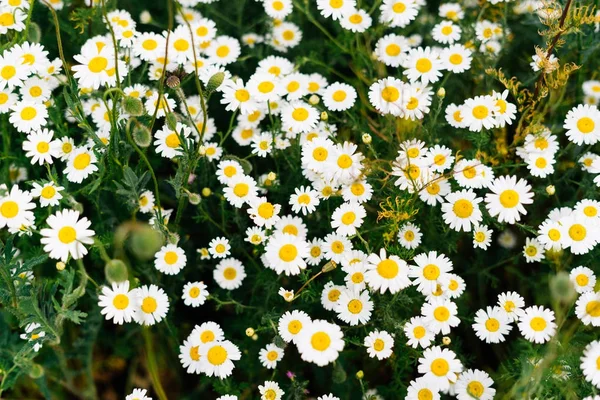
339	95
582	280
288	252
48	192
149	305
538	324
241	189
463	208
222	51
300	114
171	257
585	125
348	218
419	332
320	341
355	306
194	292
28	113
294	327
217	355
67	234
577	232
425	394
423	65
509	198
230	273
390	94
440	367
456	59
121	301
344	161
475	389
8	71
97	64
431	272
388	268
378	345
81	161
441	313
194	353
266	210
492	324
320	153
393	50
272	355
480	112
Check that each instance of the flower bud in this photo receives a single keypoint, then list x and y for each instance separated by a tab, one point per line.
360	374
36	371
172	121
115	271
194	198
272	176
173	81
206	192
214	82
60	266
550	189
145	17
314	100
250	332
133	106
441	93
202	150
145	241
366	138
255	337
330	266
142	136
324	116
446	340
562	288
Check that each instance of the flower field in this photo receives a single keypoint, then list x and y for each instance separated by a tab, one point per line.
299	199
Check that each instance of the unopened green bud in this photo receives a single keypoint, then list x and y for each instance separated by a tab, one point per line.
194	198
366	138
173	81
550	189
35	33
324	116
360	374
562	288
145	241
36	371
60	266
206	192
441	93
250	332
142	136
133	106
115	271
330	266
172	121
214	82
314	100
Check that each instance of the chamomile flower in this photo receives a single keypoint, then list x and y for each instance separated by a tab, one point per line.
116	303
430	270
219	247
391	50
240	189
479	113
454	116
423	64
507	198
452	11
28	116
583	279
454	286
551	235
138	394
347	218
583	124
194	294
270	356
146	202
456	58
387	273
255	235
474	384
170	259
339	96
286	253
590	363
386	96
168	142
356	20
536	324
440	315
492	325
223	50
278	9
409	236
320	342
291	324
298	117
533	250
189	355
354	307
315	254
335	8
48	193
398	13
330	296
15	209
216	358
33	333
305	200
418	333
587	308
237	97
208	332
379	344
578	233
229	273
264	213
270	391
540	164
344	166
511	303
505	111
422	388
151	305
461	211
291	225
440	366
12	74
66	234
446	32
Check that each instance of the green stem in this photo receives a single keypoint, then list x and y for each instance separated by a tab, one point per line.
153	365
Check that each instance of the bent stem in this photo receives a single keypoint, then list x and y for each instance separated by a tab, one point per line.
153	365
